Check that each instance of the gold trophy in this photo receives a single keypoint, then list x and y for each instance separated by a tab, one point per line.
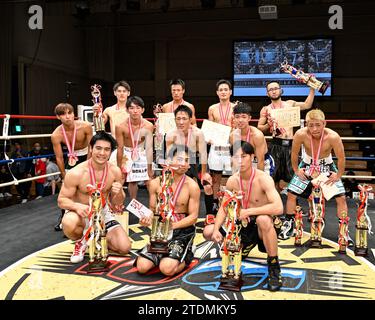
363	225
303	77
343	232
299	226
159	137
231	277
98	115
317	208
98	249
161	221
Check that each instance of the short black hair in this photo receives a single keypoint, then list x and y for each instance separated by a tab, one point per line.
246	148
178	148
176	82
183	108
242	107
138	101
273	81
102	135
223	81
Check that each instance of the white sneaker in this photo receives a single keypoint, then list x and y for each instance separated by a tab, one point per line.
38	197
1	195
24	201
7	194
79	251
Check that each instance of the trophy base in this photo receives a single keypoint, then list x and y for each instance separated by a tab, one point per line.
98	266
230	283
158	247
315	244
298	243
324	87
342	249
360	251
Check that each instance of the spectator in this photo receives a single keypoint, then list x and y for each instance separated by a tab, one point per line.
40	170
5	176
51	181
19	170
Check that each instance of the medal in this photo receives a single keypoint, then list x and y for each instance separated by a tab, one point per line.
72	162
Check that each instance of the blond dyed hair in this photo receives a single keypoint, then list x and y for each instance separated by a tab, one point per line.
315	114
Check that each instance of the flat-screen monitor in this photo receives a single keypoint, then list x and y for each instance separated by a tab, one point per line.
257	62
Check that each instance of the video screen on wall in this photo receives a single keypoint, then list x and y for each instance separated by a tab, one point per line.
257	62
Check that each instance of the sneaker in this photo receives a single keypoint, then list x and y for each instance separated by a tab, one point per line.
274	277
38	197
1	195
79	251
7	194
287	229
24	201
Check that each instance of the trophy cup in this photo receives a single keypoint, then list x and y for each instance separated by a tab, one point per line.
231	277
161	221
343	232
316	204
363	225
303	77
159	137
98	115
96	234
299	226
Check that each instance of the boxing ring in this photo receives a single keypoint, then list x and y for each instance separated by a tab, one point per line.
36	264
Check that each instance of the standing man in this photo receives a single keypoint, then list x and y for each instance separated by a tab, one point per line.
259	203
192	137
186	194
281	143
318	142
118	112
74	197
177	92
76	135
134	138
219	157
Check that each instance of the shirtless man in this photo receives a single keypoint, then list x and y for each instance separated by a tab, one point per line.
186	195
192	137
260	202
318	142
117	113
281	143
178	91
76	135
74	197
252	135
219	159
134	137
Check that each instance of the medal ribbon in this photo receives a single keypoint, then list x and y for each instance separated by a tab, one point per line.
173	107
71	154
134	143
177	192
222	119
246	199
187	141
314	167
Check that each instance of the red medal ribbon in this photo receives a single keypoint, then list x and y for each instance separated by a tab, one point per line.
314	167
134	143
71	154
246	199
223	119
